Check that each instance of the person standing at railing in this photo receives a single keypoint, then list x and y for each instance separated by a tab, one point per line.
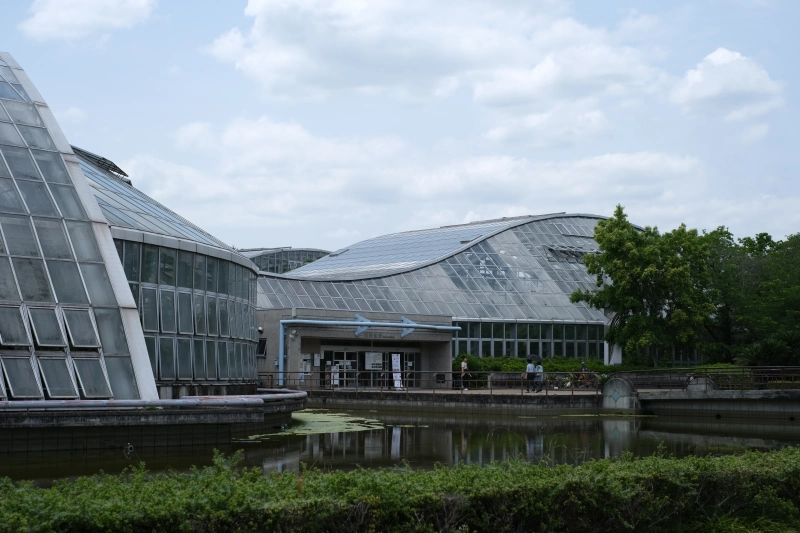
539	379
530	375
464	373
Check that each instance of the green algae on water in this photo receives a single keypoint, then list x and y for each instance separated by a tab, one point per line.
316	421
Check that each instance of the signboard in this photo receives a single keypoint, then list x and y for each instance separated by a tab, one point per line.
398	377
373	361
335	375
316	359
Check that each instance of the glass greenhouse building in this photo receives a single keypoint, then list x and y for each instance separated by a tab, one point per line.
282	260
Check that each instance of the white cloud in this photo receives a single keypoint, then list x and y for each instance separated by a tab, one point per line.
77	19
561	125
71	114
728	84
754	133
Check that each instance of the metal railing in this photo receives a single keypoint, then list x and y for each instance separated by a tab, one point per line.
434	382
742	378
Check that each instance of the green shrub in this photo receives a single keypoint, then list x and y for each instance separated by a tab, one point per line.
751	492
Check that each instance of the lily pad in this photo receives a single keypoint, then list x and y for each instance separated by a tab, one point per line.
315	421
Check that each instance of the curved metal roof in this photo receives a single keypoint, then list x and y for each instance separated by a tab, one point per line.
513	269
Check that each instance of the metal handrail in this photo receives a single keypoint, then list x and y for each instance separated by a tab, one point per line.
694	378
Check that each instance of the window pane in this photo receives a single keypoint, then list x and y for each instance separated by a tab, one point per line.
533	331
185	269
122	378
212	315
12	329
149	309
149	263
233	370
211	359
131	264
52	167
222	277
67	282
199	271
222	360
19	235
167	311
21	378
224	326
199	360
199	314
83	241
184	359
112	334
211	274
167	267
52	238
93	381
57	379
46	327
8	287
23	113
7	92
20	163
238	360
9	199
98	284
166	357
79	326
68	202
185	313
37	137
33	284
150	342
9	135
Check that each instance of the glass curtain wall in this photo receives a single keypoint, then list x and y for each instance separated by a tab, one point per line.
285	260
61	332
504	339
197	312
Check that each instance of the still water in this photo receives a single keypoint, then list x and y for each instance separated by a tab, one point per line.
344	440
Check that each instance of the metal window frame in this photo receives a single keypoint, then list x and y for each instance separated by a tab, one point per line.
69	328
3	358
36	333
82	357
70	371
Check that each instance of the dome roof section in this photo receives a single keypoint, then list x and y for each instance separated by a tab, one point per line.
126	207
406	251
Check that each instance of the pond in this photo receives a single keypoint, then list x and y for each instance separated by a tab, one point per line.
338	439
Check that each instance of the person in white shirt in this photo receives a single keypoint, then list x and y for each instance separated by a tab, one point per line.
539	379
464	371
530	374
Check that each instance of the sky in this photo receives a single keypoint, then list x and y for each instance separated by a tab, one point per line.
314	123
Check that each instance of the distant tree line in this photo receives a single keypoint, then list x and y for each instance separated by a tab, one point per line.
690	292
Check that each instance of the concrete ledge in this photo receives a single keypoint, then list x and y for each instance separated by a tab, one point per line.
710	395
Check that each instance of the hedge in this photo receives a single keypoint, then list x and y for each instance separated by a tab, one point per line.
750	492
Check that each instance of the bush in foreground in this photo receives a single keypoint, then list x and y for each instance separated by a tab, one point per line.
751	492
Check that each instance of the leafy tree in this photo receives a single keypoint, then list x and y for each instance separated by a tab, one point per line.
656	286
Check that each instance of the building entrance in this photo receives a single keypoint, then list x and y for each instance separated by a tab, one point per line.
372	367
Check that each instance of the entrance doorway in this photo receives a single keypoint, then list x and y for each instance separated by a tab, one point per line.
371	367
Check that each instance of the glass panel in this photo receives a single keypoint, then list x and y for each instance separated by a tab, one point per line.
52	238
8	288
222	277
150	342
46	327
19	236
184	359
112	334
199	314
211	359
33	284
67	282
166	357
185	269
199	271
212	315
149	309
199	360
235	372
167	267
4	172
98	284
7	92
9	135
79	326
68	202
21	379
122	378
92	379
37	137
569	332
222	356
547	331
12	328
52	167
131	263
9	199
533	331
23	113
83	241
238	360
149	263
224	326
20	163
57	378
4	117
211	274
185	313
558	331
167	311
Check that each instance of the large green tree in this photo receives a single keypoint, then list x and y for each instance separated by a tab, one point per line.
655	286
